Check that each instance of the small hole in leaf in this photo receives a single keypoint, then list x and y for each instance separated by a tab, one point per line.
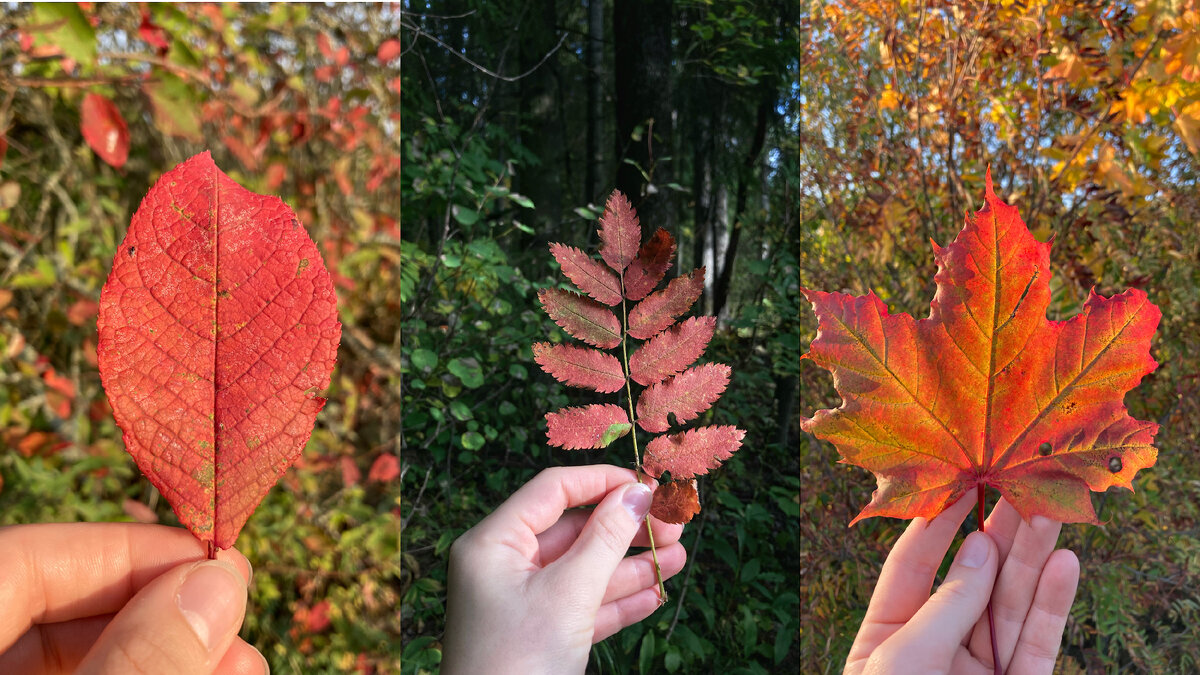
1115	465
1044	449
131	249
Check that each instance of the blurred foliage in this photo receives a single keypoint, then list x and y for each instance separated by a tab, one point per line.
292	100
473	257
1087	114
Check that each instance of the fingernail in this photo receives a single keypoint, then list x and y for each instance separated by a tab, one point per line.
974	551
637	500
208	599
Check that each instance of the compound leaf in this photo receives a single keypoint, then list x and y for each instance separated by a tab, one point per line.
660	309
672	350
589	275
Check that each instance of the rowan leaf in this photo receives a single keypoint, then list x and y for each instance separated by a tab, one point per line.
660	309
652	262
580	366
581	317
217	326
675	501
104	130
692	452
589	275
589	426
686	396
987	391
672	350
619	232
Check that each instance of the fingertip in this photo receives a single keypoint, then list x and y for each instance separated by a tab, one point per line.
976	551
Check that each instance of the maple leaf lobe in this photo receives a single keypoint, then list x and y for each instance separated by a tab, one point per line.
987	390
211	346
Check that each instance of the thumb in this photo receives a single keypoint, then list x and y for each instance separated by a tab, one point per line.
930	640
605	539
182	622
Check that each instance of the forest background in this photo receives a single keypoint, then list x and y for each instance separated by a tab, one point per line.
487	130
1089	115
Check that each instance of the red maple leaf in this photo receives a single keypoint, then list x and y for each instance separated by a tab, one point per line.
987	391
218	325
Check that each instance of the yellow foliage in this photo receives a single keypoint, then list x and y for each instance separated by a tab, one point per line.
889	99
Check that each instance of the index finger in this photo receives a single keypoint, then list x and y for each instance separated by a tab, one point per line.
541	502
907	576
63	571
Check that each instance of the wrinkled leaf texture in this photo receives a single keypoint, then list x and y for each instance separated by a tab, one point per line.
628	271
987	391
218	325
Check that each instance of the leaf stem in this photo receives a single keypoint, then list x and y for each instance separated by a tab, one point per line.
637	455
996	668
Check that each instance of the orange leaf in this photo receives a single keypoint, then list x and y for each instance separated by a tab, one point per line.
675	501
987	391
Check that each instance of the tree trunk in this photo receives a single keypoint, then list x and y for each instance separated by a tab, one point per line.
721	289
642	37
595	50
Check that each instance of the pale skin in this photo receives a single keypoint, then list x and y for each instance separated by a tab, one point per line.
908	630
100	598
534	584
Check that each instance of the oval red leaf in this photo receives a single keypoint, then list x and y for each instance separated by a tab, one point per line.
652	262
652	315
620	232
580	366
583	427
671	351
589	275
389	50
218	325
104	130
581	317
692	452
675	501
686	395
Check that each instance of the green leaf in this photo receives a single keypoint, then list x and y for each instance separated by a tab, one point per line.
646	654
472	440
613	432
468	371
460	411
424	359
464	215
522	200
72	34
176	109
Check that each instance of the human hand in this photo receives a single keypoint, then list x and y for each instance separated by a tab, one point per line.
533	585
120	598
907	630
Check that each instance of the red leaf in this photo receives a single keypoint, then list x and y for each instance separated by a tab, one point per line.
671	351
589	275
987	390
619	232
652	262
580	366
692	452
351	474
389	50
218	325
580	428
324	46
153	34
650	316
104	130
582	318
385	468
686	395
675	501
